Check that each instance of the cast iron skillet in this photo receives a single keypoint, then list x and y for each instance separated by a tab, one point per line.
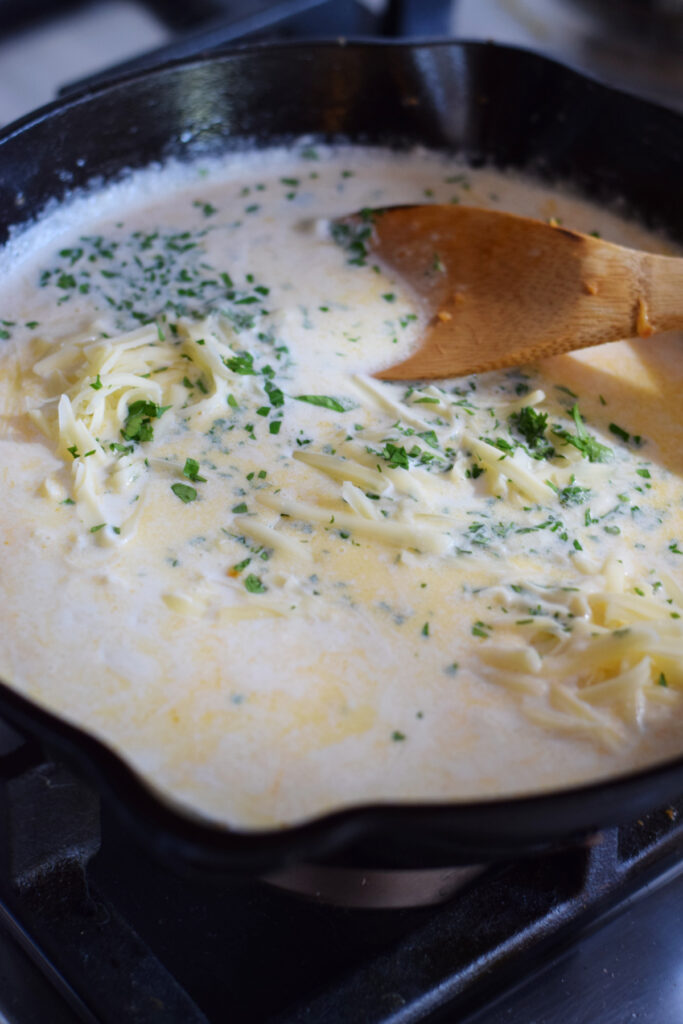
485	102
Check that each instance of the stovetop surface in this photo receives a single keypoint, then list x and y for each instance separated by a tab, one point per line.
92	929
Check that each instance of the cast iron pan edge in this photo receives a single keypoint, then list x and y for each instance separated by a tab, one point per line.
485	102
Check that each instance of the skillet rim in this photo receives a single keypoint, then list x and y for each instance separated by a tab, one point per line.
521	823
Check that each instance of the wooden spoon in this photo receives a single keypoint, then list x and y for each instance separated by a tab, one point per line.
502	290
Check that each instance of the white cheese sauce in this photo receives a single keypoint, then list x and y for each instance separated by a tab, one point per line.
278	587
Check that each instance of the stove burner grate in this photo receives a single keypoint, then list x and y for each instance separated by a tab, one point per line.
107	935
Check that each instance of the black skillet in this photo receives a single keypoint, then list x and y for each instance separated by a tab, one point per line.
485	102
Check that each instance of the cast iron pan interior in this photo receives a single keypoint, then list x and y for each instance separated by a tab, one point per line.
489	104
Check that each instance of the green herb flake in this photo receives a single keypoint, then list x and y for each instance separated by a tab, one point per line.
326	402
397	736
619	432
191	471
584	442
573	495
532	426
96	529
430	437
207	209
184	492
396	456
138	425
254	585
242	363
275	395
97	383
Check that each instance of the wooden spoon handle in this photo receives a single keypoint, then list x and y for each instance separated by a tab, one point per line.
662	308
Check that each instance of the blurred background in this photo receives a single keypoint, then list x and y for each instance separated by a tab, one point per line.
50	45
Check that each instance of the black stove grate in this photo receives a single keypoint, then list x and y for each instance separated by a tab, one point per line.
93	930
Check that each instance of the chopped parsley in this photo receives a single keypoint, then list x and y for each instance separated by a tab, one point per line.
275	396
254	585
191	471
138	425
584	442
532	426
335	404
207	208
242	363
353	237
619	432
573	495
184	492
430	437
396	456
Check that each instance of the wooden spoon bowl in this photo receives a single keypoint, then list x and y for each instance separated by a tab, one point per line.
501	290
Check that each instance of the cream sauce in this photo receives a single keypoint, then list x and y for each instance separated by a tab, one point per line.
259	678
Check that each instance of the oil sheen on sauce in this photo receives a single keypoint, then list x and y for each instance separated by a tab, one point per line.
279	587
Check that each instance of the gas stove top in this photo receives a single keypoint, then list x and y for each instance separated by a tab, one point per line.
91	929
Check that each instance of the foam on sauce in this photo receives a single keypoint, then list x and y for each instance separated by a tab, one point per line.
278	587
